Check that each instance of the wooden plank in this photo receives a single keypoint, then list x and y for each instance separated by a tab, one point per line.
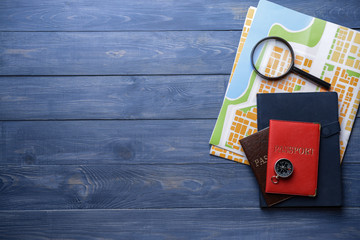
126	186
106	142
112	97
182	224
119	15
117	53
120	97
141	186
116	142
352	150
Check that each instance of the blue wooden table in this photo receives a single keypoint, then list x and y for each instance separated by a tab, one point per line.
106	111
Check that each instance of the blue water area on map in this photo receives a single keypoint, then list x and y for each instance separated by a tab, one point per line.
266	15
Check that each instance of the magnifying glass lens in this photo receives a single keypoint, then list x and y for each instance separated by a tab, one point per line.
272	58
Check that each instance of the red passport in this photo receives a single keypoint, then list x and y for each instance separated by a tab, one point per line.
293	157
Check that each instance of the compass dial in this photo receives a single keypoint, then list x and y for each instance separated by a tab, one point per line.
283	168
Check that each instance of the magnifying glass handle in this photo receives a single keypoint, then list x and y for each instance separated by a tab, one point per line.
312	78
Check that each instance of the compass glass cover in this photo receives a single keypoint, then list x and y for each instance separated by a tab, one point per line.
283	168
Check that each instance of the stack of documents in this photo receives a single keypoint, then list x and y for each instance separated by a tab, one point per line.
323	49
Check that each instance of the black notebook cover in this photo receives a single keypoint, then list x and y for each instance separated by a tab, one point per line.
309	107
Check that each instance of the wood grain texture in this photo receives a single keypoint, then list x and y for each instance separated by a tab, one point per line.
352	150
114	15
238	223
125	186
141	186
120	97
112	97
106	110
115	142
117	53
106	142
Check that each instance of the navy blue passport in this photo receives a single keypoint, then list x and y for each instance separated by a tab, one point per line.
320	107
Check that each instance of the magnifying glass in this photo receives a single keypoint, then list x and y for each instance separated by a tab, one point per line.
273	58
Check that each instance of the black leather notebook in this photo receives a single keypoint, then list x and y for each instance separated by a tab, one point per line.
309	107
